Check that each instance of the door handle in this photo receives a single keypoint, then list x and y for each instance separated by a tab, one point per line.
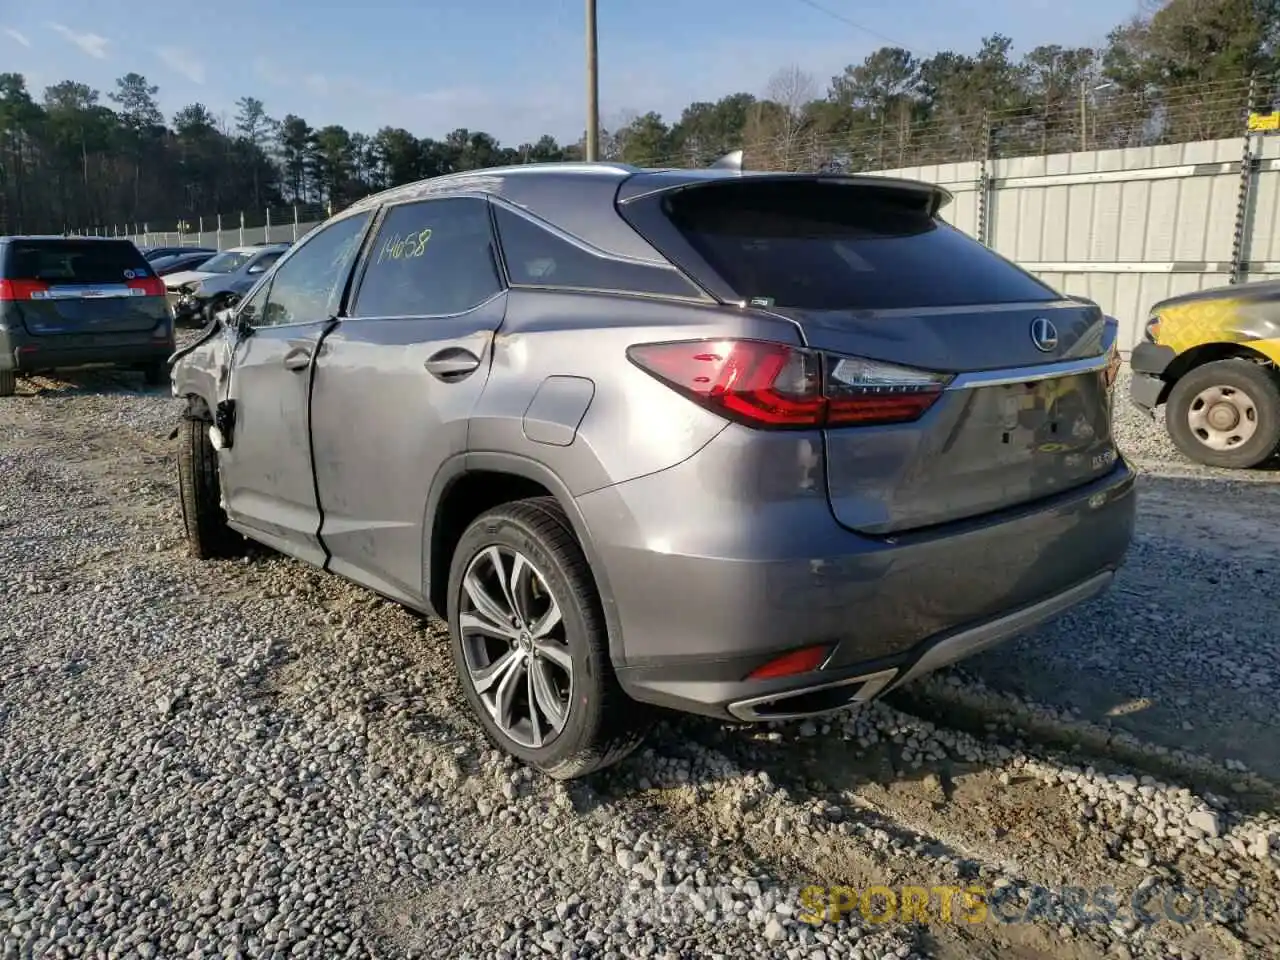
297	359
452	363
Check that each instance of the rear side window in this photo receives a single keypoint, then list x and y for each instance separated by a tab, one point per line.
74	261
536	257
432	258
830	246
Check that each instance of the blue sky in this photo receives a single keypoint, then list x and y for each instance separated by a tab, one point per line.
511	67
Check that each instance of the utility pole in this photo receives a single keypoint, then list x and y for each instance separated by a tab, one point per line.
1085	93
1084	117
593	86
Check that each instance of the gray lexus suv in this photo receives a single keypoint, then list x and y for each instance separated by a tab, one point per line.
753	446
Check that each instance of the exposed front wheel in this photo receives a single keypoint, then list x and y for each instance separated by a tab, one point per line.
208	535
1226	414
530	646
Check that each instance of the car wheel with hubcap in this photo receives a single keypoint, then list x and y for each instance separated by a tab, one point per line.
530	645
1226	413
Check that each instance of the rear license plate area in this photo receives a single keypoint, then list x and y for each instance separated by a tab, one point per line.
1039	417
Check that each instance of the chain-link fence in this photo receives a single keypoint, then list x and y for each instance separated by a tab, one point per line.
219	231
1093	115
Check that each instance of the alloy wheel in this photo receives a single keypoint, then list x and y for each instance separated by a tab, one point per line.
517	657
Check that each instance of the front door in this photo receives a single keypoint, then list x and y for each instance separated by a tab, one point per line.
267	480
396	384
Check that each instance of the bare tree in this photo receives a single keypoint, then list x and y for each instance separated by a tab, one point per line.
778	122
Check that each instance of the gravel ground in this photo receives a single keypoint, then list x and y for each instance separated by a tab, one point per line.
255	759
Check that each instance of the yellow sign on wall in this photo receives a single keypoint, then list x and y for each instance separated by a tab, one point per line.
1264	121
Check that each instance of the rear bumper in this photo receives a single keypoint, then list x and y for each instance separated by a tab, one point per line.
695	623
26	354
1148	363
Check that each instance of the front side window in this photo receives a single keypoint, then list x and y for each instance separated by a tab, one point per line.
305	287
250	309
432	258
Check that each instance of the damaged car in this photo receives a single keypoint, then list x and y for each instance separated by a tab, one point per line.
196	295
748	445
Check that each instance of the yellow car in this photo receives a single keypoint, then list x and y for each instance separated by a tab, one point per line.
1212	359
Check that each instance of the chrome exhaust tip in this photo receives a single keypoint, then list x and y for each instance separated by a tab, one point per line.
812	701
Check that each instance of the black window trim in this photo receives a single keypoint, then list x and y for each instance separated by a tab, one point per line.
362	265
661	264
269	277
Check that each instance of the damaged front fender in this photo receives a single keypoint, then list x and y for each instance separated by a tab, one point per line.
201	373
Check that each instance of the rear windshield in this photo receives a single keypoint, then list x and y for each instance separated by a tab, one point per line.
832	246
74	261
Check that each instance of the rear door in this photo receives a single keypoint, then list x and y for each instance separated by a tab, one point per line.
267	480
397	381
868	271
81	287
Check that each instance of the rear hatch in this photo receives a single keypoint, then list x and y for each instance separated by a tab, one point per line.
81	287
866	270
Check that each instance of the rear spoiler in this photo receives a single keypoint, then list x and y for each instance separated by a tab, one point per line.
729	167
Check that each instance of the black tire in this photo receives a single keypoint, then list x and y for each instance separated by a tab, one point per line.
155	374
1254	380
8	383
603	724
208	536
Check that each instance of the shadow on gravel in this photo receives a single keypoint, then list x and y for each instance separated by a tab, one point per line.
855	815
819	770
104	381
1184	651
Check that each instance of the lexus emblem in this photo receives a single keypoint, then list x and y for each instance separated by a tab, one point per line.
1044	335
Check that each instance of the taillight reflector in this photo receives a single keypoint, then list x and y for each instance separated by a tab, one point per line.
774	385
11	290
804	660
148	286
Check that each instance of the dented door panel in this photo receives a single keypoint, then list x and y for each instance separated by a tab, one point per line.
382	424
267	483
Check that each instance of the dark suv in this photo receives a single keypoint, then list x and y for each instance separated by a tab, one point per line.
76	302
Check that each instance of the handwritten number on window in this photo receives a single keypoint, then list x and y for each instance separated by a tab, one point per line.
412	245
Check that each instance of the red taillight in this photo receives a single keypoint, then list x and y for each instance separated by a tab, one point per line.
149	286
803	660
765	384
11	290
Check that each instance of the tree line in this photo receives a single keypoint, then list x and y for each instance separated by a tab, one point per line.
72	158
